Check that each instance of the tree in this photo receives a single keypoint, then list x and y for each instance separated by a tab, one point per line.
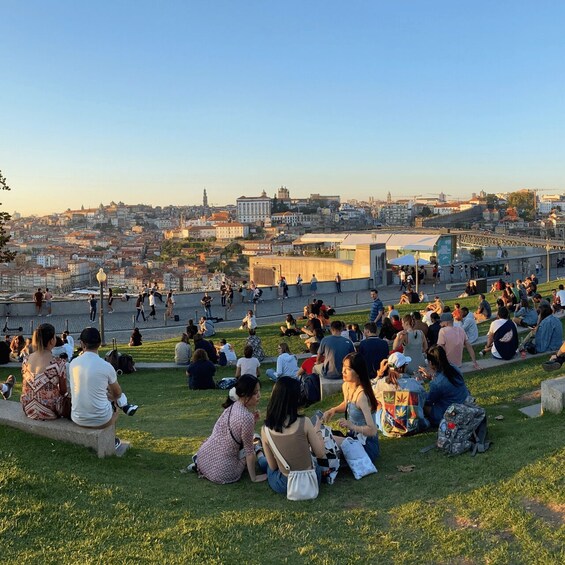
492	201
5	255
426	212
477	254
524	202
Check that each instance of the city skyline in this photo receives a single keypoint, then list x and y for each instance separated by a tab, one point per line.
153	105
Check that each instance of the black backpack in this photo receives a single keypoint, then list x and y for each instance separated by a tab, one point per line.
310	389
121	363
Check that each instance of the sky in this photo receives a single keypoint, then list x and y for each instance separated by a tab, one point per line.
151	102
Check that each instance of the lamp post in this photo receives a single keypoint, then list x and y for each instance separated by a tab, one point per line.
101	278
548	247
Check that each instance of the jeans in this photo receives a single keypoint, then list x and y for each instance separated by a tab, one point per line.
208	312
277	481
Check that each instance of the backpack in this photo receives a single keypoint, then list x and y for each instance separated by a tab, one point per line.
463	428
126	364
310	389
113	357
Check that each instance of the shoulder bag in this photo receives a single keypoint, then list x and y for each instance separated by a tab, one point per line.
302	485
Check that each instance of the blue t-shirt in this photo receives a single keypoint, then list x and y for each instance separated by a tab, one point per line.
376	307
334	348
374	350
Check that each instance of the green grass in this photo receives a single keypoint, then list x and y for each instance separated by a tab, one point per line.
60	504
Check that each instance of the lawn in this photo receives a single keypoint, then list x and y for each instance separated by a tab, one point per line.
60	504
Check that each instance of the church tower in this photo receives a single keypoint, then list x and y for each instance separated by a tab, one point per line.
205	199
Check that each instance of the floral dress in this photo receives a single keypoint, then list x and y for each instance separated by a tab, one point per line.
42	393
255	342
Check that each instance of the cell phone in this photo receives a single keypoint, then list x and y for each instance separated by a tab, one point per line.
318	414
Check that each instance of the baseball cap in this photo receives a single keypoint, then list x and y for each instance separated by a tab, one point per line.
446	317
397	360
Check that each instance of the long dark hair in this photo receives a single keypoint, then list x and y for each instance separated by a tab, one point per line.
244	388
282	410
439	362
358	364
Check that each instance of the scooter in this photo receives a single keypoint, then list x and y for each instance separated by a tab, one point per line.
8	329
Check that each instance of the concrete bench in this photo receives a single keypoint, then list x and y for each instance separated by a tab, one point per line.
553	395
102	441
456	286
329	386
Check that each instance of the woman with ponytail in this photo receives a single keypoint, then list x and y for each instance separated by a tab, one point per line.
44	381
223	457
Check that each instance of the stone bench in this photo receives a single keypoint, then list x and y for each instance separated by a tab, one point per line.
456	286
102	441
329	386
553	395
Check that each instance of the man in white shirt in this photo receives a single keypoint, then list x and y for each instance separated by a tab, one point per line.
561	295
152	313
94	387
469	324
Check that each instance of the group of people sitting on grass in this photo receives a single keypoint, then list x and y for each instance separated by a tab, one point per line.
85	389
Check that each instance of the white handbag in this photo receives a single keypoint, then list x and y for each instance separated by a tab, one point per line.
301	485
357	458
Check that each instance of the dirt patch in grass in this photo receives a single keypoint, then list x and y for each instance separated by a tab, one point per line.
460	523
529	396
551	513
505	535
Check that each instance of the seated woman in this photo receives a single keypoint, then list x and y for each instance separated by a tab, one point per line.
44	381
312	331
355	333
412	343
525	315
135	338
446	387
224	456
183	351
255	342
16	346
404	298
247	365
287	365
201	371
293	435
388	331
289	327
249	322
359	404
400	397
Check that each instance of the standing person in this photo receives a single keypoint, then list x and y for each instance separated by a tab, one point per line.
377	309
225	455
453	339
48	297
338	282
152	313
38	300
291	434
139	307
170	304
207	303
359	404
110	300
298	285
44	382
92	303
223	293
95	391
229	298
333	350
313	285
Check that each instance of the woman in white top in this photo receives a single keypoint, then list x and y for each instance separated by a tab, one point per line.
287	365
247	365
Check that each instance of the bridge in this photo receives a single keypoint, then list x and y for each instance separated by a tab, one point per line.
504	240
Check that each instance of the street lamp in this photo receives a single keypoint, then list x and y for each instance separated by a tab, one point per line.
548	247
101	278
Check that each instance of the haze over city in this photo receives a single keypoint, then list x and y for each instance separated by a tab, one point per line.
140	102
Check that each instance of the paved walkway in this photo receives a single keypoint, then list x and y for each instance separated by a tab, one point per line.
120	324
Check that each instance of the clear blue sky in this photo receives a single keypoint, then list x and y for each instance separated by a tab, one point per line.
145	101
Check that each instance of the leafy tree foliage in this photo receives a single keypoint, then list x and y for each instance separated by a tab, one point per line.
524	202
5	255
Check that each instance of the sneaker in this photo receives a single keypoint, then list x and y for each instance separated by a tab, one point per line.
117	443
257	444
551	365
130	409
10	382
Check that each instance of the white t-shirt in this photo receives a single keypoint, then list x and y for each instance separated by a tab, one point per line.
248	366
231	357
89	377
505	338
561	294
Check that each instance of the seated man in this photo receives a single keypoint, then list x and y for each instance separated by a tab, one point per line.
547	335
483	311
333	349
502	337
208	346
469	324
206	327
453	340
95	391
372	348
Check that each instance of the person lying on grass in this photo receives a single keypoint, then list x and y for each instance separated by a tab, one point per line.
225	455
